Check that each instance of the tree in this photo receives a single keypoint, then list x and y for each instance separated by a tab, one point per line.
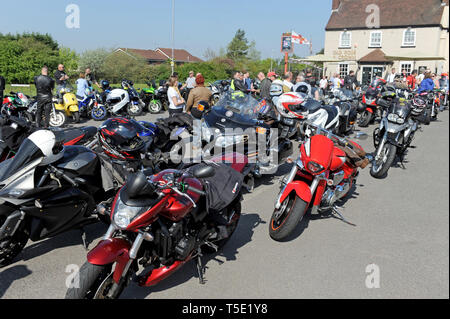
237	49
95	60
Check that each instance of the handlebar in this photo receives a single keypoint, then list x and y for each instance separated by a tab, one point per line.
342	141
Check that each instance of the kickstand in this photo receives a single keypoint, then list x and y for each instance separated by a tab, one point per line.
83	238
200	268
335	210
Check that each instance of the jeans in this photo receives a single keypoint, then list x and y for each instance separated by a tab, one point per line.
175	111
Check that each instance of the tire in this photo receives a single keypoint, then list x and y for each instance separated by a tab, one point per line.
365	119
57	118
231	228
99	113
134	109
294	210
154	106
427	116
76	117
92	279
378	170
10	247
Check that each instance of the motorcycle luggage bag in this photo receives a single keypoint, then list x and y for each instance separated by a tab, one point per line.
222	188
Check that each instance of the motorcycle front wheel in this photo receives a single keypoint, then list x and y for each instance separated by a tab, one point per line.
134	109
93	282
99	113
154	106
381	166
57	118
365	119
285	220
10	247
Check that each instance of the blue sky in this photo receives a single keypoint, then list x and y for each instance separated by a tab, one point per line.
199	24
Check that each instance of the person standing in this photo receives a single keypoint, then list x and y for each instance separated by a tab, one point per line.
287	80
248	82
199	93
90	78
60	79
323	84
190	81
390	78
176	102
237	83
350	81
265	84
44	86
411	80
2	87
427	84
82	86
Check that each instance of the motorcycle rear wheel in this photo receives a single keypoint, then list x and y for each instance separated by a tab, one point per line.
134	109
94	282
380	168
291	213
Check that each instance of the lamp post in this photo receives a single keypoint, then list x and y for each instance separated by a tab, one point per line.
172	63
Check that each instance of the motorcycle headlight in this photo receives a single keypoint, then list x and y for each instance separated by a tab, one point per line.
392	117
123	214
400	120
314	168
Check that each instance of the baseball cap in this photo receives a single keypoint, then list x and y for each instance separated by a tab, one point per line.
271	74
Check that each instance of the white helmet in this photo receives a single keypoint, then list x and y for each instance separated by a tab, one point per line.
117	99
276	88
291	105
47	142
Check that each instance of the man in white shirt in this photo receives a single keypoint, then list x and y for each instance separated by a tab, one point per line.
190	81
391	76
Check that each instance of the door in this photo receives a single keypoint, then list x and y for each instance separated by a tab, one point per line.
369	73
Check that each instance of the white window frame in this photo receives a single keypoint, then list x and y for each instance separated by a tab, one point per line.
402	63
341	45
410	44
375	45
340	72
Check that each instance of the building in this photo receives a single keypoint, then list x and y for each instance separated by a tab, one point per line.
372	37
161	55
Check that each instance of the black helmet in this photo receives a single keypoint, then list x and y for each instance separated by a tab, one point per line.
105	84
198	110
302	89
119	138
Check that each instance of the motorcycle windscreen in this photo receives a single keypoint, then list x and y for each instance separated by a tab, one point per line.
244	106
400	108
27	153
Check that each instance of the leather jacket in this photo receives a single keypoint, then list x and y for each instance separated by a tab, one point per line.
44	86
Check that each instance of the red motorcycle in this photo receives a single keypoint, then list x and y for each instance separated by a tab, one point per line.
325	172
161	222
369	102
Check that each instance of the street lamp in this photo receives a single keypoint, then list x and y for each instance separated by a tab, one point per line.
173	38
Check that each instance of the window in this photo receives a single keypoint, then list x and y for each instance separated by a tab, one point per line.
346	40
375	39
407	66
343	70
409	37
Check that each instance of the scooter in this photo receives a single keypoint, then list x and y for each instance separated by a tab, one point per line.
68	104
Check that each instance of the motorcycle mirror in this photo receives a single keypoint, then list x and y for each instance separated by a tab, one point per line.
135	184
361	136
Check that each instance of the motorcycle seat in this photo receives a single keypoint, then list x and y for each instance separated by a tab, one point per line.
332	111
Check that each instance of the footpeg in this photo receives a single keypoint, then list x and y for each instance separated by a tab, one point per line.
200	268
83	238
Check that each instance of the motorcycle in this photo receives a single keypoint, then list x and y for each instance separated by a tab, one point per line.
159	222
344	100
123	100
46	189
90	107
393	137
238	123
148	96
57	117
14	131
68	104
324	173
369	100
16	104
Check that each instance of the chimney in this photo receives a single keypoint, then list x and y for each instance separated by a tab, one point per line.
335	5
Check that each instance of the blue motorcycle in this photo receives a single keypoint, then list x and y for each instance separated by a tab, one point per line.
90	107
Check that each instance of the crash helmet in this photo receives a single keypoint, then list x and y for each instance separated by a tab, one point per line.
276	90
21	100
418	104
50	144
119	139
292	105
105	85
199	109
302	89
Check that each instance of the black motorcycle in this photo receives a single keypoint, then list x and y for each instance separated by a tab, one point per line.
46	189
393	137
347	103
242	124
